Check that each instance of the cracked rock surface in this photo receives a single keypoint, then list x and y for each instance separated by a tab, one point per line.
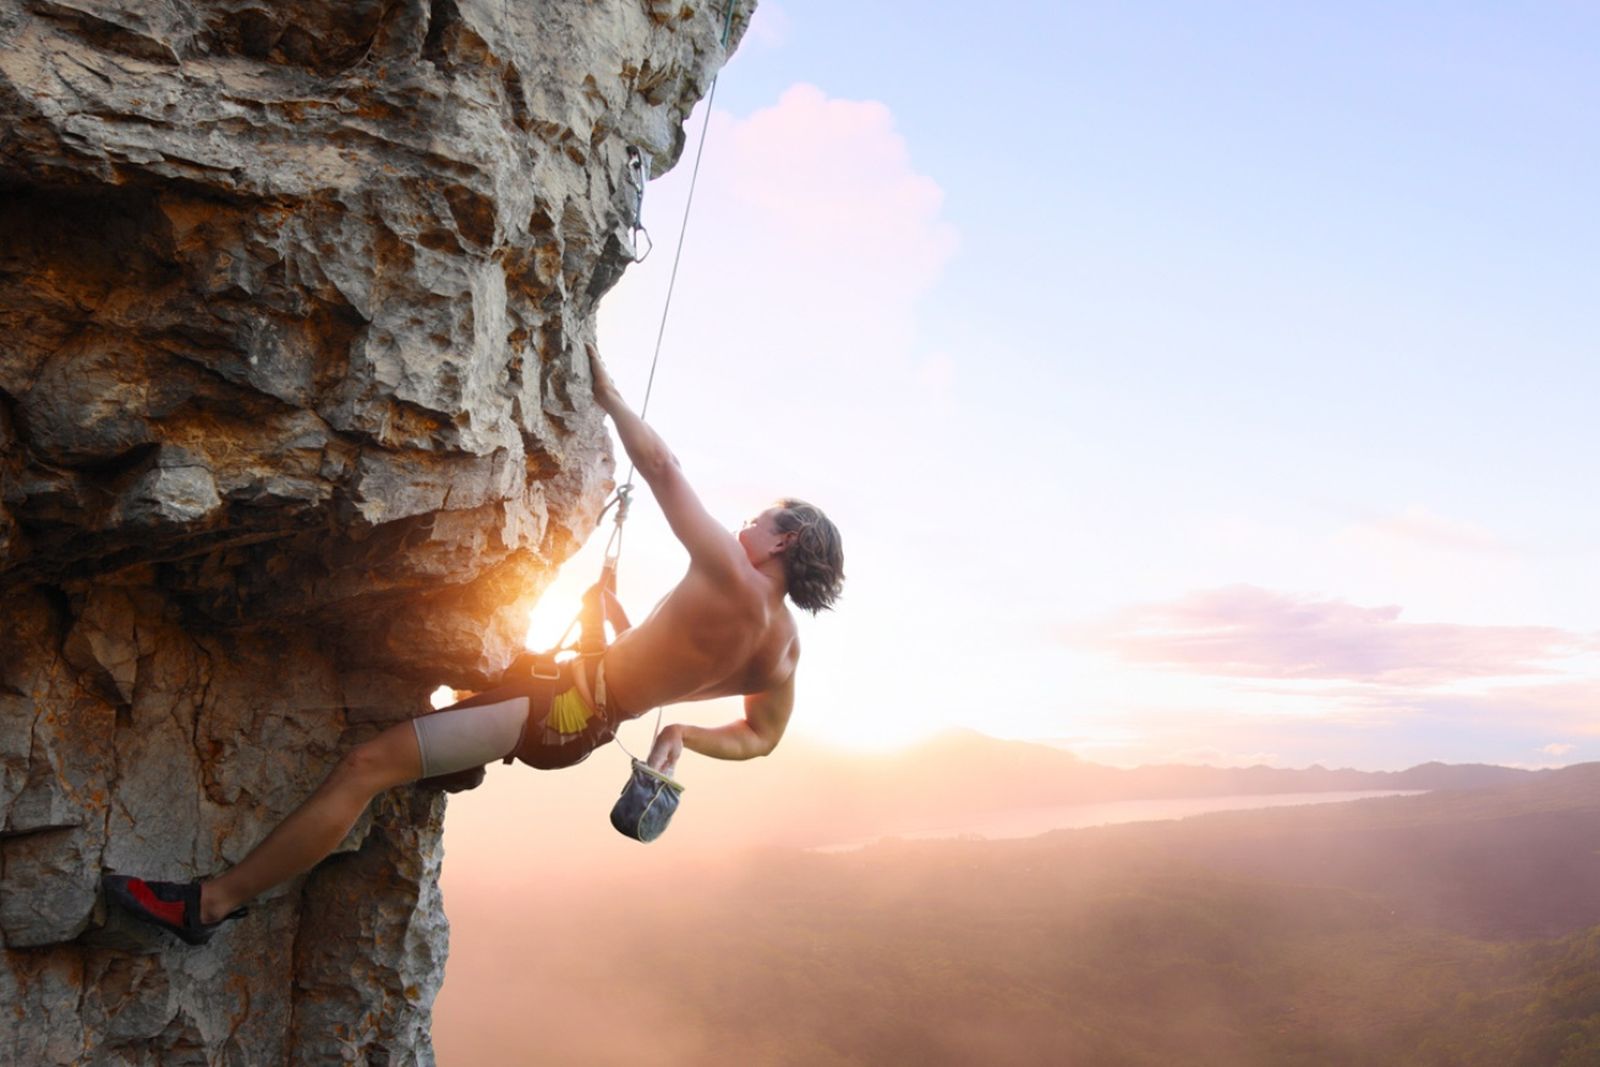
294	426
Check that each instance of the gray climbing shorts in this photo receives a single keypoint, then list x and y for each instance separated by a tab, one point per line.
457	738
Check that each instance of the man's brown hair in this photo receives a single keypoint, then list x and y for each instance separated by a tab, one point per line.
813	564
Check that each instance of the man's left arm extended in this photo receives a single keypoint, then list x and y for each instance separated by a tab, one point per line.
765	717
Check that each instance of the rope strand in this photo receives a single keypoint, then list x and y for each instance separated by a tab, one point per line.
683	229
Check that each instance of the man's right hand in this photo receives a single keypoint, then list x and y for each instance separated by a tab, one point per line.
605	390
668	747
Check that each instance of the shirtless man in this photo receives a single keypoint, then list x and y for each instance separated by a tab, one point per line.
722	631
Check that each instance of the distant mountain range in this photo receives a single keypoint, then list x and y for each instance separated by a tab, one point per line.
1520	860
805	794
957	749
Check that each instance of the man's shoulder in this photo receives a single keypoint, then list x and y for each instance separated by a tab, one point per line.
786	662
738	586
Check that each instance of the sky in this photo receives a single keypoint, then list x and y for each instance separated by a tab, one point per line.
1200	383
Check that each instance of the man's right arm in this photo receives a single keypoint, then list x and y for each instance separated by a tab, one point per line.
709	544
766	716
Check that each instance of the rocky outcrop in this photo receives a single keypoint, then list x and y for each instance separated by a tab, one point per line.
294	425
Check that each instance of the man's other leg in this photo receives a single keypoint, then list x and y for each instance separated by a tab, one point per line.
317	826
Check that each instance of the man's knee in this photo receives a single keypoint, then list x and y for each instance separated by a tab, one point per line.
369	764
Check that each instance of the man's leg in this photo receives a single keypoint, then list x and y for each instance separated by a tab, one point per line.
316	827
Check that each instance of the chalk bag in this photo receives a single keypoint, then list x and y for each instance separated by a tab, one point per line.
646	804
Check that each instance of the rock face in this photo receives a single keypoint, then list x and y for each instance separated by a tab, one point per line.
294	425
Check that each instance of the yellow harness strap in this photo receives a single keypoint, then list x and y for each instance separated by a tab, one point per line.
568	712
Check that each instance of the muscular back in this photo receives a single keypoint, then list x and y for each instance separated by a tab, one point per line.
715	634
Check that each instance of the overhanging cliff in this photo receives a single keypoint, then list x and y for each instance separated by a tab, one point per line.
294	425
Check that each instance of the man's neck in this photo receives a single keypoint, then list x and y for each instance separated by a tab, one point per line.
778	582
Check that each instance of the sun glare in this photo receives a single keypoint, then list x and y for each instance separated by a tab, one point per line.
553	613
865	734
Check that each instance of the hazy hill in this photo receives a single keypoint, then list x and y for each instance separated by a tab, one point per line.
1516	861
1451	929
805	794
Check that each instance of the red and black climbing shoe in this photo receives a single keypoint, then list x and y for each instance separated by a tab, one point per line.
173	906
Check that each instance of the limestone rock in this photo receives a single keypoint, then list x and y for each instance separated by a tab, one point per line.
294	426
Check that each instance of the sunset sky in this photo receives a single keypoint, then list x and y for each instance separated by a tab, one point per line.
1215	383
1191	382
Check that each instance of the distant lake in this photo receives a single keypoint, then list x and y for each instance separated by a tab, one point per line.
1031	822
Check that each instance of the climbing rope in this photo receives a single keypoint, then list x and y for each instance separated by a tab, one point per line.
638	173
683	229
623	495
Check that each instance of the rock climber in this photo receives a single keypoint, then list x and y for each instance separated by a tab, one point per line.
723	630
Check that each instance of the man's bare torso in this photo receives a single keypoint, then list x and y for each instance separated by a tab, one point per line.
706	638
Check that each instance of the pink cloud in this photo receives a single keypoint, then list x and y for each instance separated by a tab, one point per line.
830	183
1249	632
1426	530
